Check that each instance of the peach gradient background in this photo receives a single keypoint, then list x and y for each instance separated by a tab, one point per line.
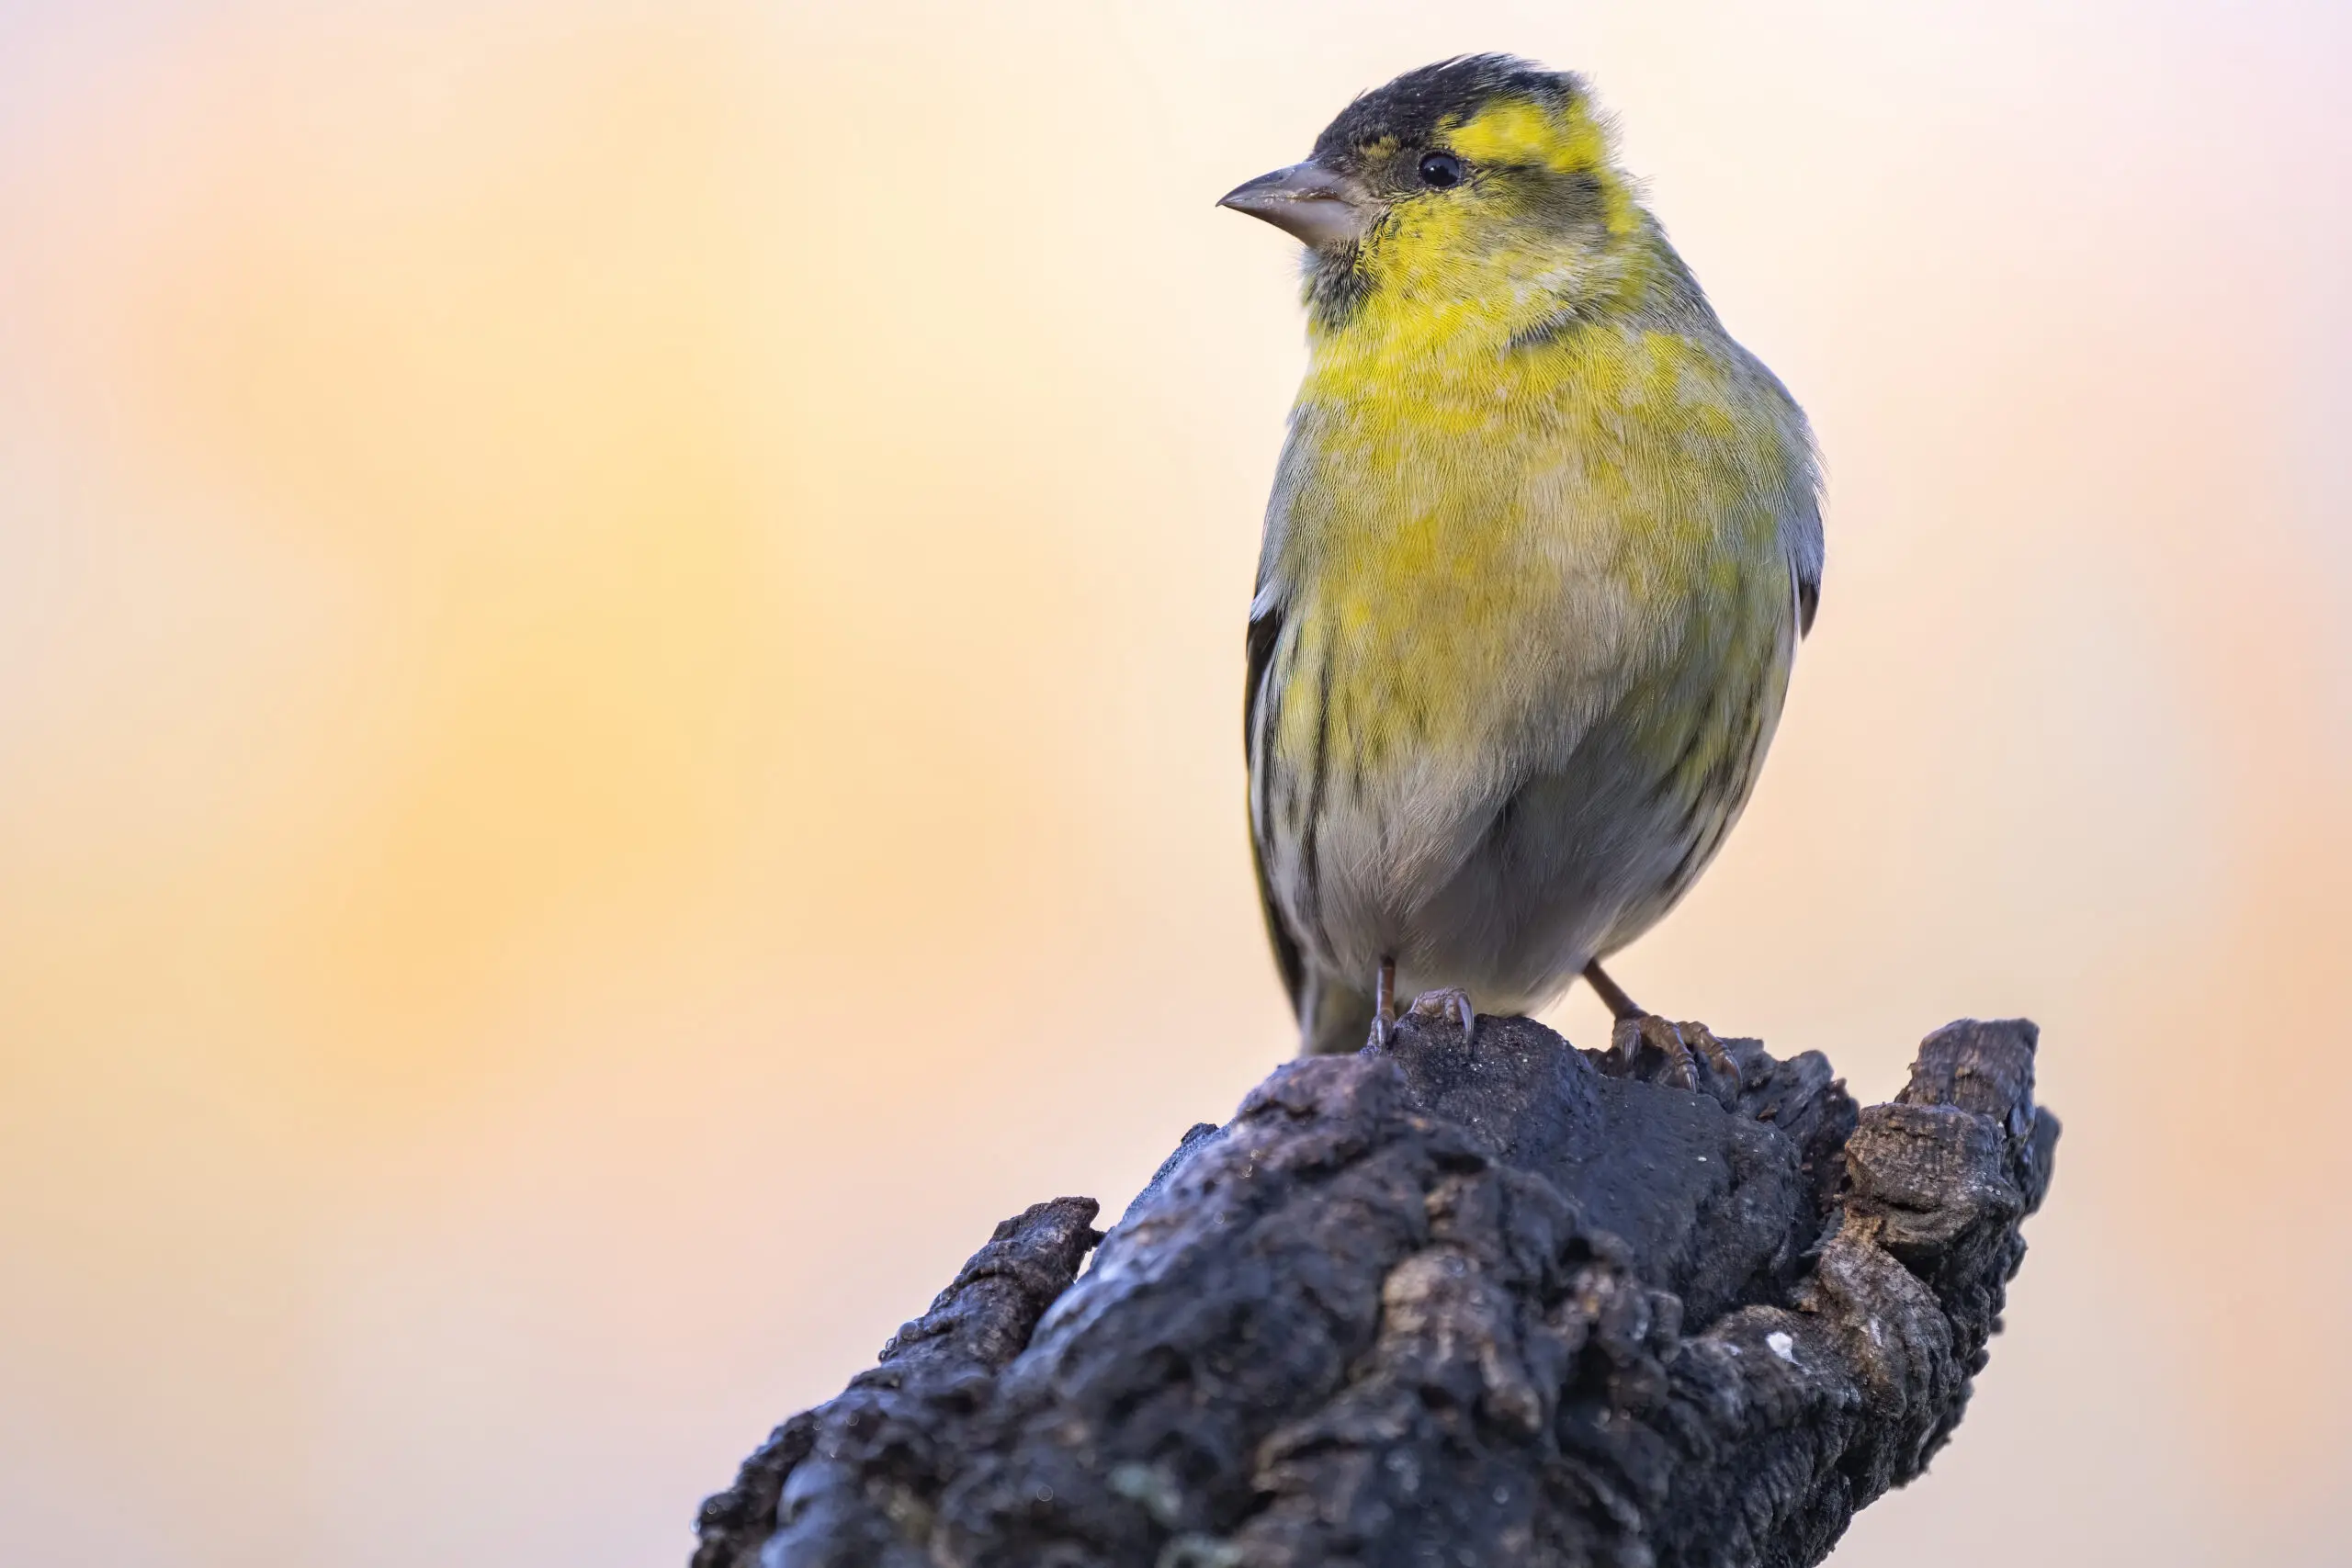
619	646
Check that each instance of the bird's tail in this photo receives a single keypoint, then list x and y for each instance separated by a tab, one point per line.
1334	1018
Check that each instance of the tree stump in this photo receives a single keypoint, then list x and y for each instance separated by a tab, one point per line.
1498	1303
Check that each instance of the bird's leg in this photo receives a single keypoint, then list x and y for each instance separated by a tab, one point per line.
1453	1002
1384	1001
1621	1006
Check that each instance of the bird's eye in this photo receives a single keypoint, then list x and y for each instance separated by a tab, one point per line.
1440	169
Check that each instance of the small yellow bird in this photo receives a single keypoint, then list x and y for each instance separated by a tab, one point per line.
1542	542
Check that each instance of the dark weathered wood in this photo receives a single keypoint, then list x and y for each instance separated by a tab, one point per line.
1507	1304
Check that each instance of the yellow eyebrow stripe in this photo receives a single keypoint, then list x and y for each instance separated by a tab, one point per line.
1564	140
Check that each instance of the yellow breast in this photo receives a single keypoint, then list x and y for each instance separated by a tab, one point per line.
1474	526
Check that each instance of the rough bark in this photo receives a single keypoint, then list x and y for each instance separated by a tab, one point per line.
1512	1303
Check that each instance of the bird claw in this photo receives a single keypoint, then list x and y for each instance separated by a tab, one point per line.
1451	1002
1631	1034
1684	1046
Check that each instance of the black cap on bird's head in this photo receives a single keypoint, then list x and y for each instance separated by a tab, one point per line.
1413	109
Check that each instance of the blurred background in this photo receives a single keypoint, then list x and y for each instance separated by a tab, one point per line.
619	674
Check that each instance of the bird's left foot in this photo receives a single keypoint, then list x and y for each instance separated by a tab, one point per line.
1684	1047
1637	1029
1451	1002
1646	1030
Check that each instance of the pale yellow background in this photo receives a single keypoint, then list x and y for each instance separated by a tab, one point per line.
619	662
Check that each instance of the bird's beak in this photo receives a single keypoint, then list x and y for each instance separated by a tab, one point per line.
1316	204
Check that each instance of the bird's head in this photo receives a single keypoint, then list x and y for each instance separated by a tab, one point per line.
1482	185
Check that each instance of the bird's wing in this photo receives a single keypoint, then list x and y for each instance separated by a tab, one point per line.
1800	525
1265	631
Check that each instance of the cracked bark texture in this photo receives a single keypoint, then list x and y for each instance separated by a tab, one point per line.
1503	1305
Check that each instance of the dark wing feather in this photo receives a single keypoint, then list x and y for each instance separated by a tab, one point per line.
1286	954
1265	632
1808	600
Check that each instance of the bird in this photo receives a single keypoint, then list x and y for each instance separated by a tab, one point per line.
1542	542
